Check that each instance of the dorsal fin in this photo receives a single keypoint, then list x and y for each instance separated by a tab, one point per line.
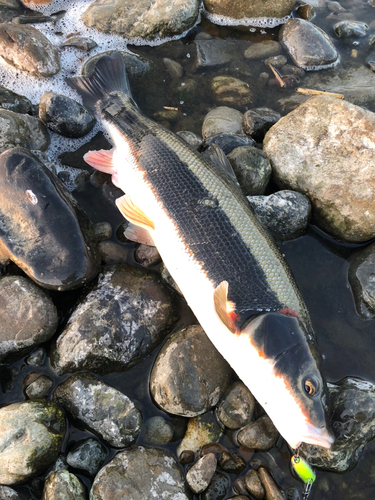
225	309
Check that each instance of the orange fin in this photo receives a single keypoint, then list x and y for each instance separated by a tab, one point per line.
134	214
139	235
101	160
225	309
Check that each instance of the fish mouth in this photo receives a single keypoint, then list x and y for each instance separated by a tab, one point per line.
317	436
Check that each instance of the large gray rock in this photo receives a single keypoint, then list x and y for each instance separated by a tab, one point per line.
325	149
31	435
22	130
146	19
254	10
118	323
62	485
27	49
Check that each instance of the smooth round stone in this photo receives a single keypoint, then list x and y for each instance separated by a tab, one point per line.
252	168
231	463
346	29
308	46
256	122
63	115
62	485
186	457
100	408
362	280
140	473
28	317
13	102
81	43
174	68
31	435
335	7
88	455
103	230
285	214
216	448
260	435
231	91
157	430
136	65
201	430
200	474
147	256
194	140
262	50
37	213
218	488
276	61
7	493
19	129
270	487
256	10
37	385
227	142
27	49
186	89
237	407
112	253
192	382
254	485
222	119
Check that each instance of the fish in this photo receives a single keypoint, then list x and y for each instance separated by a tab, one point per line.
225	263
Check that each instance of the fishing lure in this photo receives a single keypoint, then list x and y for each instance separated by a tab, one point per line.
305	472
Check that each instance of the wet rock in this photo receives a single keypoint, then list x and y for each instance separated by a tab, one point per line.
352	404
290	69
201	430
62	485
168	115
119	322
237	407
158	431
27	49
307	45
174	68
305	10
7	493
252	168
256	122
60	464
36	213
63	115
231	91
140	472
142	18
81	43
346	29
239	487
335	7
214	52
232	463
362	280
254	485
262	50
276	61
261	434
189	375
13	102
167	278
285	214
136	65
270	487
31	435
238	9
218	488
112	253
28	317
187	89
17	129
36	358
216	448
186	457
100	408
200	475
103	230
10	9
325	149
88	455
227	142
222	119
194	140
37	385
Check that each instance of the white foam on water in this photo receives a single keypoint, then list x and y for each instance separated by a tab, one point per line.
259	22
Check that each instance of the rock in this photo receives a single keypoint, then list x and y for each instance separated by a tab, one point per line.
201	430
37	385
145	19
252	168
174	68
168	115
276	61
270	487
119	322
112	253
36	213
7	493
254	10
63	115
88	455
231	463
186	457
335	7
237	407
214	52
60	464
345	29
136	65
100	408
62	485
285	214
194	140
17	129
261	434
167	278
27	49
186	90
262	50
31	435
256	122
227	142
36	358
308	46
13	102
305	10
200	475
362	280
28	317
11	8
352	404
254	485
325	149
157	431
81	43
216	448
231	91
222	119
218	488
140	473
189	375
103	230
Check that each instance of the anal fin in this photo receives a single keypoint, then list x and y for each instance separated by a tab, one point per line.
225	309
133	213
101	160
139	235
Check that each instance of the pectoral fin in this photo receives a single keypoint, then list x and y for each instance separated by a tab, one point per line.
133	213
101	160
225	309
139	235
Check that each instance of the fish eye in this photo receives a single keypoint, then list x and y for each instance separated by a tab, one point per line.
311	386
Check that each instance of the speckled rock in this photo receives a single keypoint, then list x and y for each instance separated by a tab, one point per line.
21	129
31	435
140	473
232	463
189	375
325	150
254	485
345	29
28	317
147	255
231	91
222	119
100	408
218	488
88	455
7	493
201	430
255	9
36	358
261	434
62	485
237	407
37	385
27	49
252	168
118	323
13	102
200	474
158	431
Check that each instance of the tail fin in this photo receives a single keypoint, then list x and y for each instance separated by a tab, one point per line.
109	76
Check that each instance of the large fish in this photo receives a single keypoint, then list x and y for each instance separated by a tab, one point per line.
226	265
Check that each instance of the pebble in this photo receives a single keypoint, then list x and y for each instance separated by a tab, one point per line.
157	431
112	253
222	119
20	129
102	230
7	493
200	474
201	430
252	168
256	122
261	434
262	50
305	11
254	485
270	487
186	457
231	91
213	53
335	7
174	68
237	407
218	488
100	408
231	463
216	448
62	485
345	29
362	280
14	102
187	89
37	385
81	43
147	256
276	61
88	455
36	358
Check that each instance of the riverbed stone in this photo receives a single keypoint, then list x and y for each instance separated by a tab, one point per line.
37	385
118	323
256	122
231	91
62	485
28	317
254	485
252	168
145	19
31	435
140	472
136	65
81	43
362	280
200	474
189	375
228	142
270	487
157	431
237	406
27	49
260	435
88	455
218	488
36	213
100	408
201	430
346	29
262	50
14	102
256	9
325	150
7	493
21	129
193	139
308	46
222	119
231	463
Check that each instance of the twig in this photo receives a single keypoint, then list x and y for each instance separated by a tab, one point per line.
319	92
278	77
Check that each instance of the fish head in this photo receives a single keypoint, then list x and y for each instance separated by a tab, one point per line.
294	393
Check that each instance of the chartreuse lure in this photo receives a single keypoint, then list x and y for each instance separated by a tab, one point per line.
305	472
